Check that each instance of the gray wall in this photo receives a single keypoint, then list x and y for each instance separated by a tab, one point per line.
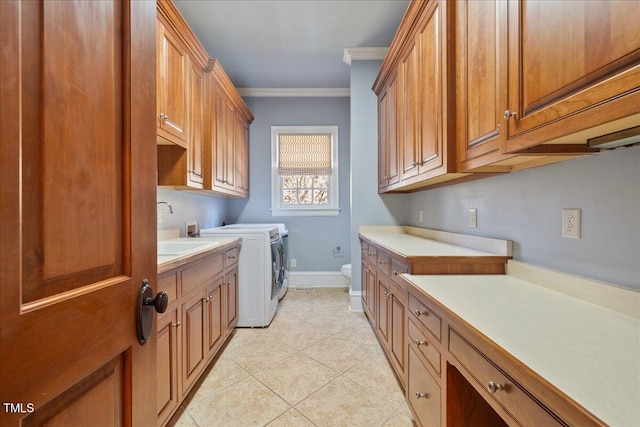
525	207
311	239
367	207
207	210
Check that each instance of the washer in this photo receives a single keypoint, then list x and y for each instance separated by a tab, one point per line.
260	277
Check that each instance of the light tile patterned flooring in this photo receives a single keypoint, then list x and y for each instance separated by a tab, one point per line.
317	364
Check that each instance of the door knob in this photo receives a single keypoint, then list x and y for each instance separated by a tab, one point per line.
145	307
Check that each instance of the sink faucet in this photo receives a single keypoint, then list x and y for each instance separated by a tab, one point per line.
168	205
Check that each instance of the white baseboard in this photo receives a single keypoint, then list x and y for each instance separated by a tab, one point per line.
355	301
317	279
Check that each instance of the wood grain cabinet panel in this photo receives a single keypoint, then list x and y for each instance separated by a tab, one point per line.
172	78
168	355
215	316
231	298
388	146
553	93
194	346
423	393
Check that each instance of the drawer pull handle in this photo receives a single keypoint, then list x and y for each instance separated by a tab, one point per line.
419	343
231	257
395	273
382	262
493	387
421	395
420	312
176	325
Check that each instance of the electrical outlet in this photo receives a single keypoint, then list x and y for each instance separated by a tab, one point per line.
292	263
473	218
420	216
571	223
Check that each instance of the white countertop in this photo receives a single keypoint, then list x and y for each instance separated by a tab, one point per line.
589	352
166	262
414	241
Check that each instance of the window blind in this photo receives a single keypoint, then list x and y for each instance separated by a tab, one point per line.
304	154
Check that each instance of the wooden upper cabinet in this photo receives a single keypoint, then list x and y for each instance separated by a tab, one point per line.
388	148
241	166
572	66
481	82
408	124
195	149
172	77
228	173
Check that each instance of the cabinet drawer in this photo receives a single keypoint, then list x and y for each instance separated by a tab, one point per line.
200	273
424	347
383	262
423	392
419	312
398	267
230	257
372	255
169	284
511	397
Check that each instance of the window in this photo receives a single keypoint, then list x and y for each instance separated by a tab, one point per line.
304	170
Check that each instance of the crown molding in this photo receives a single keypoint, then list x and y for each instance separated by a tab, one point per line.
364	54
338	92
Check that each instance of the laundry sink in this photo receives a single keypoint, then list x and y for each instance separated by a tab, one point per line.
181	247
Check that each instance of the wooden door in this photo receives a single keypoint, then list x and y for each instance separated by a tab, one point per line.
398	332
194	332
195	149
481	80
408	83
383	139
572	65
168	333
215	316
241	146
382	315
172	80
430	143
77	181
232	298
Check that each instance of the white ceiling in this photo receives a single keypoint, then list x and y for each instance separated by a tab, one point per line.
290	43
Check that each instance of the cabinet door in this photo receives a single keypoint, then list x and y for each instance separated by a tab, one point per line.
167	363
382	318
388	161
398	333
241	162
194	346
572	65
195	149
423	393
215	317
223	151
364	274
430	154
407	98
231	298
172	77
481	82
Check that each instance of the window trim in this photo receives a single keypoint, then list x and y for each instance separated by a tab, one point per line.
333	207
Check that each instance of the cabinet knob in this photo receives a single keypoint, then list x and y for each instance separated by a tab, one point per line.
493	387
420	312
508	114
395	273
176	325
419	343
421	395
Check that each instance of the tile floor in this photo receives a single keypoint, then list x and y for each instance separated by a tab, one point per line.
317	364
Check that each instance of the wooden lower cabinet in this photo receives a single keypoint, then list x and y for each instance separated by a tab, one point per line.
168	355
423	393
202	312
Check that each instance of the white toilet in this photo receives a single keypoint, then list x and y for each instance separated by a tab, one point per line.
346	271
